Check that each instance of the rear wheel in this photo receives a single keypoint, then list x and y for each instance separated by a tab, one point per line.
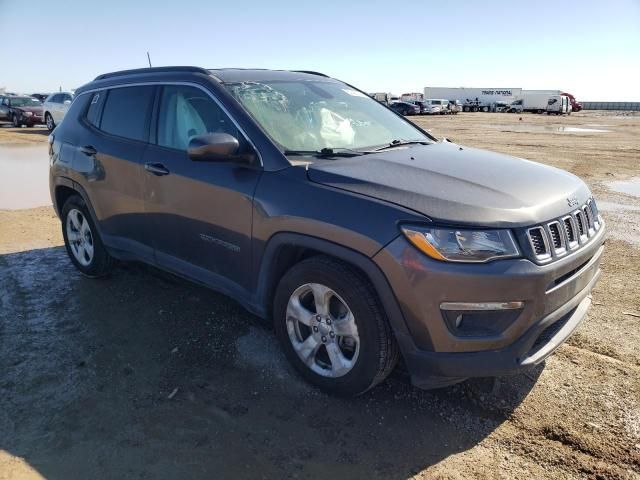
332	328
82	241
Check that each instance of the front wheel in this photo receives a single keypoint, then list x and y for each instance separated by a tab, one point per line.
49	121
332	328
82	241
15	121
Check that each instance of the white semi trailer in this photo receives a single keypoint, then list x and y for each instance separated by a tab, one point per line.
530	102
474	99
541	103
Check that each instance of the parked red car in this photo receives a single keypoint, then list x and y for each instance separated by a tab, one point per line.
21	110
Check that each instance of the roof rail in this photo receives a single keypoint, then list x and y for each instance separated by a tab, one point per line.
311	72
139	71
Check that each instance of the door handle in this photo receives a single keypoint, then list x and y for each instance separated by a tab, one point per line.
88	150
156	168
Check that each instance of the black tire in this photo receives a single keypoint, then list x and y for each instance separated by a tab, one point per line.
48	119
378	353
101	263
15	121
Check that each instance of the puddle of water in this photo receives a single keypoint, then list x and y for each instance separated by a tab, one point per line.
548	129
630	187
24	177
582	130
605	206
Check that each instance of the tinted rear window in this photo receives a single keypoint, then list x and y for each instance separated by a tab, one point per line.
95	107
126	112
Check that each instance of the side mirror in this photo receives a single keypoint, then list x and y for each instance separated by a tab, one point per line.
214	147
67	102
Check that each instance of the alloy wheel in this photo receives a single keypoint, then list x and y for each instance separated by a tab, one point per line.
322	330
80	237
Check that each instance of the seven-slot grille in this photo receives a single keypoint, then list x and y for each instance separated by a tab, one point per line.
557	237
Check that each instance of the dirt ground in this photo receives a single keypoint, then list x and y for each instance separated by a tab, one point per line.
143	375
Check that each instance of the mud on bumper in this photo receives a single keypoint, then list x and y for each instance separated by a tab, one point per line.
436	369
554	299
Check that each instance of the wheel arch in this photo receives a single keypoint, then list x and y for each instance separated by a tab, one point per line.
284	250
65	188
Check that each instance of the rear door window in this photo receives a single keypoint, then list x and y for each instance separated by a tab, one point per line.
127	111
95	108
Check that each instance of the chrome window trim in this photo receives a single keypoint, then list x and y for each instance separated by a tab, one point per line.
190	84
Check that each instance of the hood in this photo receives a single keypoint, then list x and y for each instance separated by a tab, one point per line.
453	184
36	109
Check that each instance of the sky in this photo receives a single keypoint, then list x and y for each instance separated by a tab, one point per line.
590	48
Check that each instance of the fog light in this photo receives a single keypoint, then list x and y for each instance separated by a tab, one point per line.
480	319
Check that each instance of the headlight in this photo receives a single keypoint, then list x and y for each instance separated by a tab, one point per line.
457	245
27	114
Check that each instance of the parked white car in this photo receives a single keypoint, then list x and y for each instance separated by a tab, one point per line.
436	105
55	108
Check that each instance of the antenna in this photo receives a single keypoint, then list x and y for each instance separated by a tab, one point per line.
149	58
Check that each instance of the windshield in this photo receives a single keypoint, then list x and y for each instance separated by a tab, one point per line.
311	116
24	101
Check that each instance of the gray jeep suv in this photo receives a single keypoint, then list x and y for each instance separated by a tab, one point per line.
361	236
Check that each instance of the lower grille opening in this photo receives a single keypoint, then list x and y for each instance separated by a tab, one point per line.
566	276
549	332
476	323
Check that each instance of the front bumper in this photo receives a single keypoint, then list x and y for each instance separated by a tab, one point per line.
32	120
555	296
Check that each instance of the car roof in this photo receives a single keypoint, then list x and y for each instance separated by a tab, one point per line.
223	75
233	75
219	75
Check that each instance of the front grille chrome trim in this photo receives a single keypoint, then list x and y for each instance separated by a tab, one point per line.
572	241
558	237
546	252
583	230
555	225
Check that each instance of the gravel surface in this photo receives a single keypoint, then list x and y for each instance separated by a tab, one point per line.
143	375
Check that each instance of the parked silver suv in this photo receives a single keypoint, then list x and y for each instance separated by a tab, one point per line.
55	108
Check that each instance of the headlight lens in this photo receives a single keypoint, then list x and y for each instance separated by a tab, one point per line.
457	245
27	114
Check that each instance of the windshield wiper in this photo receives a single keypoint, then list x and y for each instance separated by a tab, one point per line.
327	152
400	143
